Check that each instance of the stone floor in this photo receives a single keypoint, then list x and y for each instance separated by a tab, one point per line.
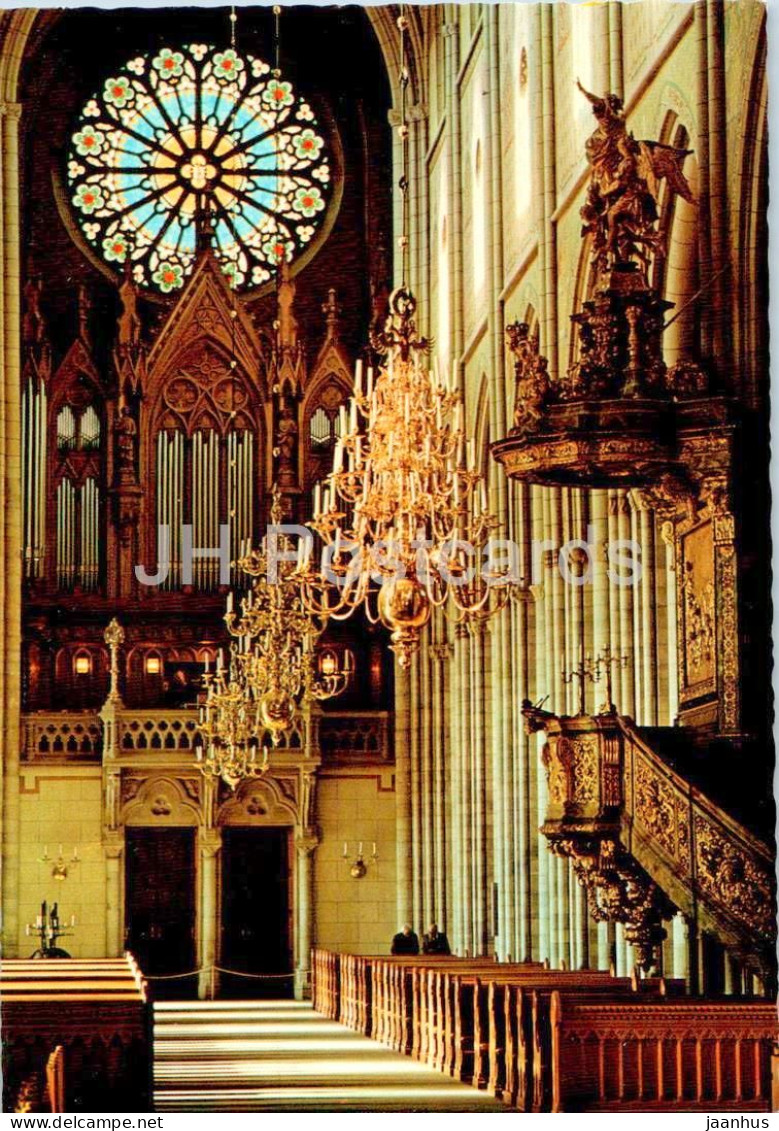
282	1056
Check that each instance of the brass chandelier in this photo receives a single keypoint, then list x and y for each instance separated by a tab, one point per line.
403	515
272	673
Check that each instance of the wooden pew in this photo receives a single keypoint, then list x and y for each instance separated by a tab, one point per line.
479	1020
397	1017
97	1011
325	990
355	992
55	1080
654	1055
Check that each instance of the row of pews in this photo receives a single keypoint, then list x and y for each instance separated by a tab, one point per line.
558	1040
76	1035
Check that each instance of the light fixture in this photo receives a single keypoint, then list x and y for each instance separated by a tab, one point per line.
82	663
60	865
48	927
335	668
153	665
403	515
271	672
230	726
358	869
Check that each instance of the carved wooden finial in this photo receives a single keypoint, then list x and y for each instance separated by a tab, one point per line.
331	311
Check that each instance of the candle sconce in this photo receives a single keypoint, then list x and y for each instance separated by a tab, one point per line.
60	865
359	868
48	927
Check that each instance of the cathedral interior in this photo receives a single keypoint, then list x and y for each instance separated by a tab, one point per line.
281	288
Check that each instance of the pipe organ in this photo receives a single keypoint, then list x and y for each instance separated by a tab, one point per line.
78	535
170	503
205	481
66	535
34	477
204	494
240	487
89	534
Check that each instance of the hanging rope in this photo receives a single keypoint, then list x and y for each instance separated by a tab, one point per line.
217	969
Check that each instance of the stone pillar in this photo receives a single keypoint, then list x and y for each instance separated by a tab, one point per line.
305	846
461	705
616	68
416	790
441	658
210	845
11	572
545	154
681	956
428	821
403	797
648	596
625	598
114	933
479	648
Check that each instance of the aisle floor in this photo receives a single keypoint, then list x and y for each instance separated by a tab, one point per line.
282	1056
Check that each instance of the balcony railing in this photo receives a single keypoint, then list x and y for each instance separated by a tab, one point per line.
62	735
116	732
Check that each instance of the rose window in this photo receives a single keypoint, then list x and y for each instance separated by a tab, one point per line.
198	139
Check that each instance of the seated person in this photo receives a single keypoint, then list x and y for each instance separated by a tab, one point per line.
435	942
405	941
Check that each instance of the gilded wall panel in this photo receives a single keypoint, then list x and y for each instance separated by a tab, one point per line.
697	613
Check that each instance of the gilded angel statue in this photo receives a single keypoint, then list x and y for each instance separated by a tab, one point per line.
620	212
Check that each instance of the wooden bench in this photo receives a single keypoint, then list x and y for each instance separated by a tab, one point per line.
55	1080
325	982
653	1055
399	987
97	1011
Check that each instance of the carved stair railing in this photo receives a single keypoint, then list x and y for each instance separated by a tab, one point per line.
645	842
707	862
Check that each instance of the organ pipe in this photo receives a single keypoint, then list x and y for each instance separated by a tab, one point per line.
206	499
66	535
170	506
34	480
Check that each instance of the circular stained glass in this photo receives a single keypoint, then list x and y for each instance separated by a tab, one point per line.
193	133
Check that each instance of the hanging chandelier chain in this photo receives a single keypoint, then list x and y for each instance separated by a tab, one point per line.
403	134
277	40
233	27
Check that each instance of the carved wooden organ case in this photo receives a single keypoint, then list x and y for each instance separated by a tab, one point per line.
199	408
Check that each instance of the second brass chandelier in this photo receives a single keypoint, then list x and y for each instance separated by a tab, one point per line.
271	672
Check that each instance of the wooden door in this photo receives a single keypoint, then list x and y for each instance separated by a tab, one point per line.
256	912
160	906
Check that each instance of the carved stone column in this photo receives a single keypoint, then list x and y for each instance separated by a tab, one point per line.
305	845
113	848
210	846
403	796
12	541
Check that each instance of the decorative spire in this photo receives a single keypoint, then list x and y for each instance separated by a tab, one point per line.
331	311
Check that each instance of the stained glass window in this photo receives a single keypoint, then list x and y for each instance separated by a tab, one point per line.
191	132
